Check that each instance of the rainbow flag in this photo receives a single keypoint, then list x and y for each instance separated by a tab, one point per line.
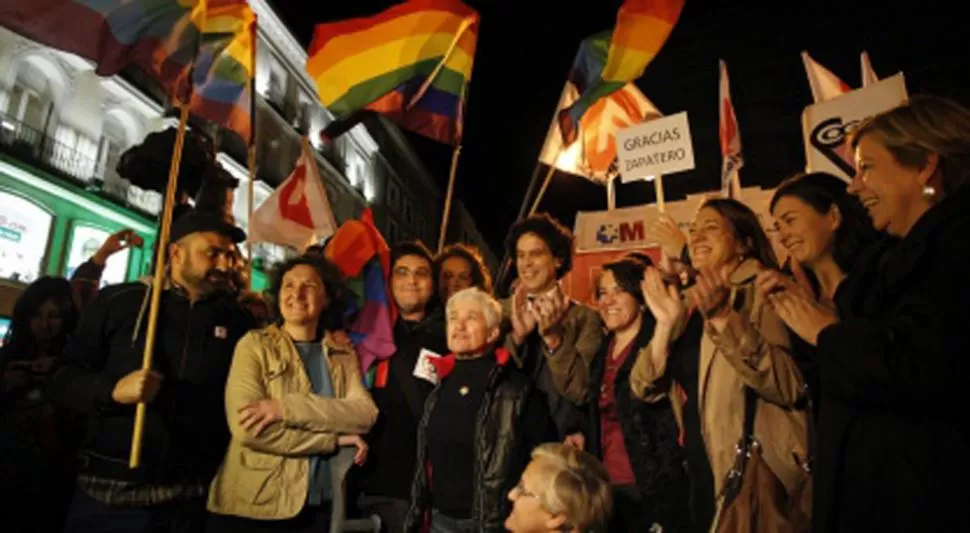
166	38
160	36
411	63
222	80
362	255
606	62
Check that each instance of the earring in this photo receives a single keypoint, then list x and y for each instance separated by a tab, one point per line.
929	192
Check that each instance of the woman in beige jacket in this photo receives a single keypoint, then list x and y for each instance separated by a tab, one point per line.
293	396
718	348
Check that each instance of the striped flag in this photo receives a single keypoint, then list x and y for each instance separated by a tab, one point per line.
364	258
595	156
222	81
868	74
212	39
642	28
411	63
730	136
825	85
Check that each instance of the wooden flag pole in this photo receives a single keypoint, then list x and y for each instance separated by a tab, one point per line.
611	194
448	195
542	191
158	281
249	209
658	186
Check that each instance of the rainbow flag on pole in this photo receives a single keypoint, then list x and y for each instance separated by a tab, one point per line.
642	28
222	80
168	39
411	63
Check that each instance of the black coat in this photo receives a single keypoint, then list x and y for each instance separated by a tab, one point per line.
893	437
512	420
650	434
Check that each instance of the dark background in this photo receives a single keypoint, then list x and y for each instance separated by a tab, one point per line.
524	56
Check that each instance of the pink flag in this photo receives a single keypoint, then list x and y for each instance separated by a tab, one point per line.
825	85
730	135
298	211
868	75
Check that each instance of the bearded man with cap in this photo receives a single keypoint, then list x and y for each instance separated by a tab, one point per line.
185	433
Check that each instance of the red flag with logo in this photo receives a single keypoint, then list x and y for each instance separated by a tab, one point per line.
298	212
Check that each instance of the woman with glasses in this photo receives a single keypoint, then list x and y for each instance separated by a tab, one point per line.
563	489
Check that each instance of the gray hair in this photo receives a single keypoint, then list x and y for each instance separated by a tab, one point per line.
490	306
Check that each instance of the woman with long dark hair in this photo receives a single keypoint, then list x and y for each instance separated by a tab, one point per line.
37	464
724	362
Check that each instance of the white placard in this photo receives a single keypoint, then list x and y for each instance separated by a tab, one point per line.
659	147
424	369
824	125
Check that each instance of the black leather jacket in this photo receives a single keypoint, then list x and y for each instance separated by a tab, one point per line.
512	420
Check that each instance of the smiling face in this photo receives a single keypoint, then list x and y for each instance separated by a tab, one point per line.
618	308
535	263
806	234
712	242
468	329
891	192
411	283
303	296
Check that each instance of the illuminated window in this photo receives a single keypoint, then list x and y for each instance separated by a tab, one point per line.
25	231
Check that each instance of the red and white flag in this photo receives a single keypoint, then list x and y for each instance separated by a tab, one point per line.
868	75
298	212
730	135
825	85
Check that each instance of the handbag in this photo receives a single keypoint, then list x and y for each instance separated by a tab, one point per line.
754	499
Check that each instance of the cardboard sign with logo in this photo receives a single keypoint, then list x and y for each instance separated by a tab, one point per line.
825	125
655	148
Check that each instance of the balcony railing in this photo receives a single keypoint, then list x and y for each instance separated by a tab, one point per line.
32	145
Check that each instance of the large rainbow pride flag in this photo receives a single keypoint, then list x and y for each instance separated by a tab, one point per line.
604	66
411	63
168	39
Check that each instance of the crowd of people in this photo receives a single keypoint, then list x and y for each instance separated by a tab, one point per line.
716	389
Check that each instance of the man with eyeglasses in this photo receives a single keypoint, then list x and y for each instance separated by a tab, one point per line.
402	385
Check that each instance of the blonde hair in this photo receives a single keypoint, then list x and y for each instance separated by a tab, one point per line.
923	126
576	485
490	306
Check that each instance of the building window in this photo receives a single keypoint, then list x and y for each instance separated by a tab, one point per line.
392	236
408	214
25	230
85	241
393	195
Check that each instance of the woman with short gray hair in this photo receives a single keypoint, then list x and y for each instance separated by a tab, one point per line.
479	426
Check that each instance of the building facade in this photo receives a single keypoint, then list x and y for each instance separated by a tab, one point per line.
63	130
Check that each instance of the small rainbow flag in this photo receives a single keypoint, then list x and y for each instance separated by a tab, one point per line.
222	80
362	255
642	28
411	63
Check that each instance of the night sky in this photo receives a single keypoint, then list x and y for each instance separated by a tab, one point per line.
523	59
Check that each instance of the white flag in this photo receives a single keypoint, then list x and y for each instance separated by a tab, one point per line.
868	75
825	85
730	135
298	211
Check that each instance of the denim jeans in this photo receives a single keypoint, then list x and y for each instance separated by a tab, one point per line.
88	515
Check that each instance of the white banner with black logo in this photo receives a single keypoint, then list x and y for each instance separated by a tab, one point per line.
825	125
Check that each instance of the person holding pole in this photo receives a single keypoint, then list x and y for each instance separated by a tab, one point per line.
185	431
